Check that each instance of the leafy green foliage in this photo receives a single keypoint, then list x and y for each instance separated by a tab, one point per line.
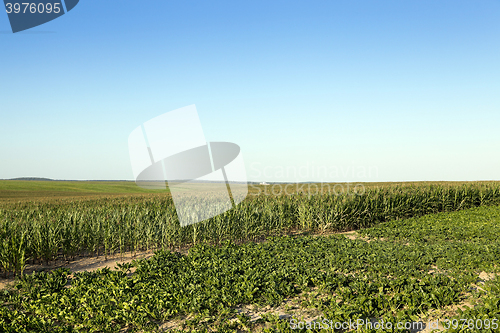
399	275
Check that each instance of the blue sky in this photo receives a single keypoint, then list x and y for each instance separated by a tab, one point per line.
337	90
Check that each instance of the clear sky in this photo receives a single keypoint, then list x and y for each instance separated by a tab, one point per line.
331	90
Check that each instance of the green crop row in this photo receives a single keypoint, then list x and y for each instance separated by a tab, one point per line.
407	269
36	231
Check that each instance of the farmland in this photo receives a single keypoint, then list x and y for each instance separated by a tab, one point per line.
19	190
421	251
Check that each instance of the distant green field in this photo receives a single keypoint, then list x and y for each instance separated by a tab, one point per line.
33	189
12	189
72	186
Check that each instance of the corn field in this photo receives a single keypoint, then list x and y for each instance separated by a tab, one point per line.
35	232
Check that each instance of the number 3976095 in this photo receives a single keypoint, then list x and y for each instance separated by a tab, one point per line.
33	8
